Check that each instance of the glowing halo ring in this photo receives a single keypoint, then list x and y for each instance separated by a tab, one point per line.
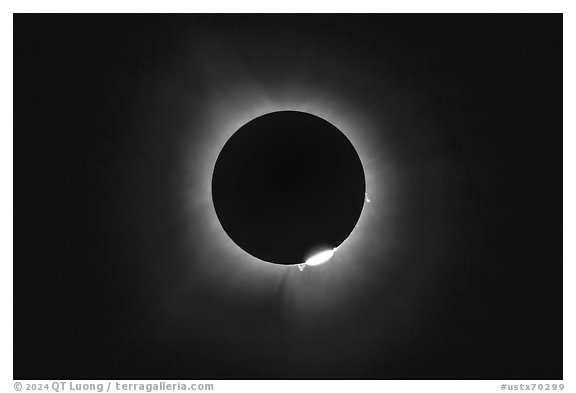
228	110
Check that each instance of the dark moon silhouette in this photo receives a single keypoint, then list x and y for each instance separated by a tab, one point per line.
287	185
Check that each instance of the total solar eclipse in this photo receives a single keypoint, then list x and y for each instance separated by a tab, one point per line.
288	188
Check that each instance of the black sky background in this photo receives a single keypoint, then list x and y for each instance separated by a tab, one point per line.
104	105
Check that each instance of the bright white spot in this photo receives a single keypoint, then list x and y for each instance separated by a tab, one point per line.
366	195
320	258
301	266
